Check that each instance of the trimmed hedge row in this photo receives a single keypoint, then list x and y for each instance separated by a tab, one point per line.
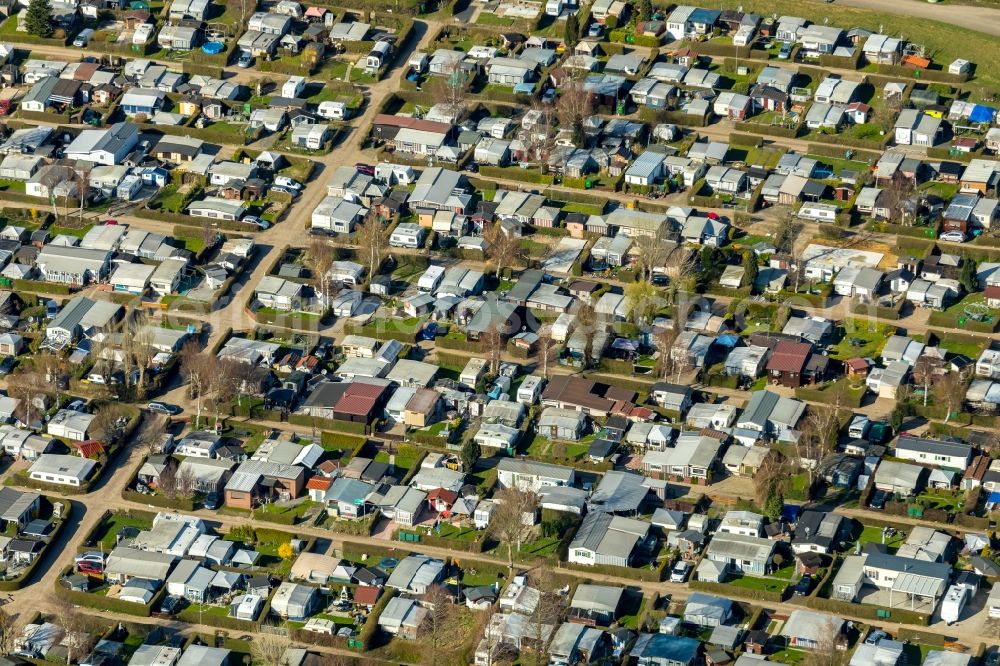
100	602
178	503
43	287
866	611
192	616
20	581
730	591
644	574
769	130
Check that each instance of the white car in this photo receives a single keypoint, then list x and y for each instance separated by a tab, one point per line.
680	572
285	181
952	237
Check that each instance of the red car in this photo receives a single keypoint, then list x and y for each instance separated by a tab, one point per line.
366	169
90	568
111	222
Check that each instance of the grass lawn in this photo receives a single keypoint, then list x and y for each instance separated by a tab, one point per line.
837	165
107	533
947	42
404	458
873	534
933	498
79	232
861	338
169	198
944	190
299	509
7	185
541	547
764	157
789	656
486	18
970	349
755	583
435	429
583	208
449	531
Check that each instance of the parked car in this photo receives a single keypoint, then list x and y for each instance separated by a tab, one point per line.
163	408
89	556
77	406
595	30
680	572
430	331
212	501
171	605
952	237
285	190
878	499
366	169
785	52
253	219
246	60
875	636
549	96
285	181
83	39
803	586
90	568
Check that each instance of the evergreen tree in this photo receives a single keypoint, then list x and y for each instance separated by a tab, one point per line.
749	269
645	10
572	31
968	277
470	454
774	503
39	18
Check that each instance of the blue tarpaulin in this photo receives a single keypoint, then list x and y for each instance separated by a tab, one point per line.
982	114
727	340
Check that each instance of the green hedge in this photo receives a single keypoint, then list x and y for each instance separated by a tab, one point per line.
384	329
730	591
42	287
866	611
434	541
328	424
339	440
178	503
769	130
100	602
192	616
25	576
362	528
644	574
950	320
370	630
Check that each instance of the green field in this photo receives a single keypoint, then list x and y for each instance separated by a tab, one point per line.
943	41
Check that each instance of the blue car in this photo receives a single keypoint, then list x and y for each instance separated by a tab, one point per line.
430	331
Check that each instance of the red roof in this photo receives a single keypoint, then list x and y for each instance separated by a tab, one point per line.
857	364
449	497
366	595
359	399
991	292
319	483
789	356
90	448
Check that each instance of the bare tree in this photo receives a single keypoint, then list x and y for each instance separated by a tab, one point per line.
587	323
224	384
51	367
503	248
827	651
548	613
103	354
819	434
83	188
268	649
109	422
573	106
140	349
373	242
786	231
437	627
491	641
894	194
664	338
77	639
507	523
30	387
452	86
167	482
545	349
320	257
187	484
492	342
651	253
677	266
197	367
770	476
9	633
949	390
154	427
